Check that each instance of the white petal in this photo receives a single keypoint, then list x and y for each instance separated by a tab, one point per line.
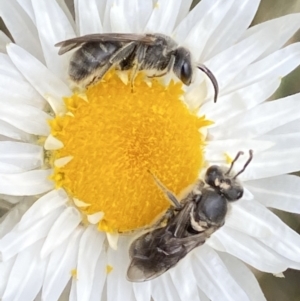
21	27
184	279
205	27
104	12
183	10
202	295
5	269
136	13
163	16
89	251
52	143
27	183
216	150
278	64
247	195
51	87
27	7
73	295
101	5
62	228
229	63
87	17
118	21
243	276
16	199
26	118
283	27
23	155
142	290
43	207
10	168
249	250
27	274
96	217
9	131
4	40
163	289
61	262
80	203
113	239
99	277
16	90
63	161
259	120
281	192
290	127
214	278
239	101
53	27
8	68
63	5
284	141
254	219
196	14
14	215
19	239
235	22
118	288
270	164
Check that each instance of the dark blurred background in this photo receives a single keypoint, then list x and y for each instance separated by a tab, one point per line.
275	289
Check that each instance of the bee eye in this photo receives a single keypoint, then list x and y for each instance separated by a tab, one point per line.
186	73
234	193
227	181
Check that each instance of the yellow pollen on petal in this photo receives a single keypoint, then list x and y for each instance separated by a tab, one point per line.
109	268
228	159
74	273
115	135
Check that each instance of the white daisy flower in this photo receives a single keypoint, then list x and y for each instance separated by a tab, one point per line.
74	165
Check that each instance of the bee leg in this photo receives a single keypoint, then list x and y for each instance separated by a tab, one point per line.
168	193
100	73
158	75
168	69
122	54
165	218
171	63
189	242
140	56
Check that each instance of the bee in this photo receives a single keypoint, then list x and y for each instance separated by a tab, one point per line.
188	223
157	53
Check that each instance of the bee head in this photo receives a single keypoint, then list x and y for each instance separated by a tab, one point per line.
183	65
224	182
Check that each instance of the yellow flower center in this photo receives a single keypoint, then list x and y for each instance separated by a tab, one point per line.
113	137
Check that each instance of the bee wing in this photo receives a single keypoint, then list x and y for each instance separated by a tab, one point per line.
138	272
162	258
180	221
70	44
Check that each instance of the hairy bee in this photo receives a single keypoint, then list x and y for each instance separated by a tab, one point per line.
158	53
188	223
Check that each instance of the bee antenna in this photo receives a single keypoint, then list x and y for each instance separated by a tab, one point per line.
170	195
234	160
212	79
246	164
